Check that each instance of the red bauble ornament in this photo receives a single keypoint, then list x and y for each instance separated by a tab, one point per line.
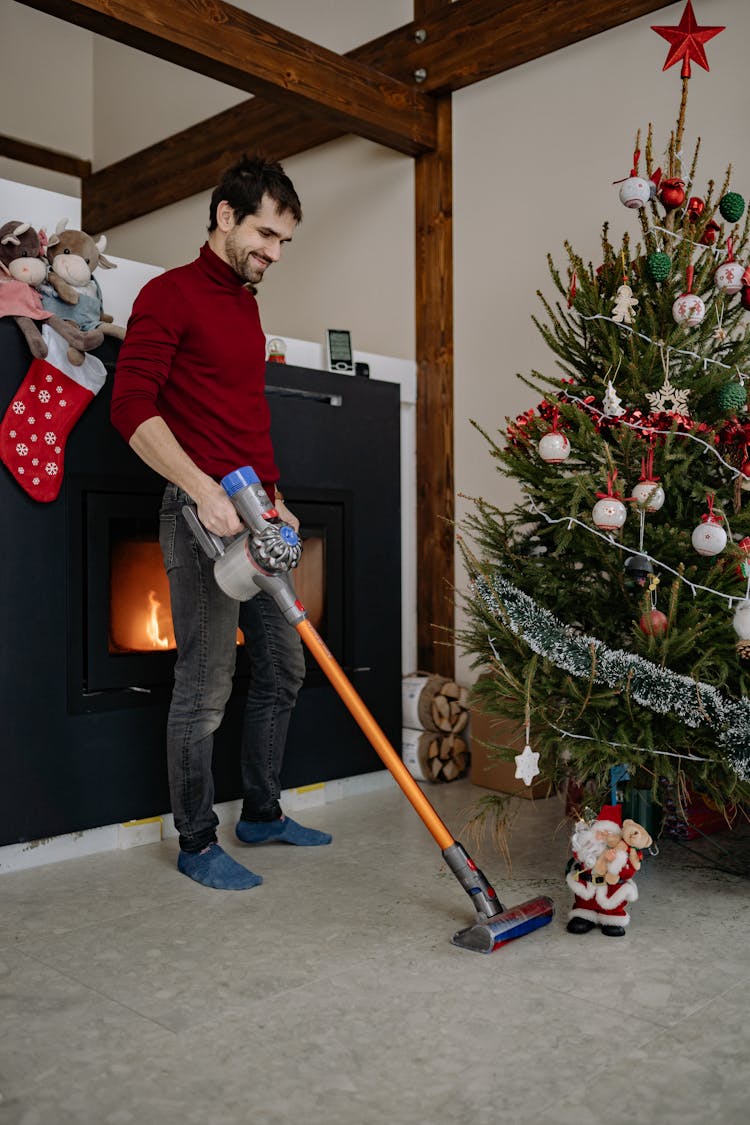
709	235
745	296
695	208
654	623
672	193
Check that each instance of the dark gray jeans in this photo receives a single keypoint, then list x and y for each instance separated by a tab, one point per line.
205	624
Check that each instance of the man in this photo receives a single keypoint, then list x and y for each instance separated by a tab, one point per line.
189	397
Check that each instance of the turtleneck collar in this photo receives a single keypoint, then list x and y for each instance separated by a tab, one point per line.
217	269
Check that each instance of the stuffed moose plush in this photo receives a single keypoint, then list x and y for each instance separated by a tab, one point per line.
71	290
23	270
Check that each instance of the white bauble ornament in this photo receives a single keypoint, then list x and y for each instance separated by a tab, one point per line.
649	493
635	192
609	513
728	278
554	448
741	620
688	310
709	537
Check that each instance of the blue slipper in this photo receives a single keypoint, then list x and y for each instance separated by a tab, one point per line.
283	831
214	868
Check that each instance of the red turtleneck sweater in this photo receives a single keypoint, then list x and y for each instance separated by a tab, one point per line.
194	354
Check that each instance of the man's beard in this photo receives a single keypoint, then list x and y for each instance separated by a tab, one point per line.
242	264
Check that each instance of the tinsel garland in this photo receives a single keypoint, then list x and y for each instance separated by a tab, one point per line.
693	702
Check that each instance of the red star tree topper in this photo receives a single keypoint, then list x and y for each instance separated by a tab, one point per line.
686	41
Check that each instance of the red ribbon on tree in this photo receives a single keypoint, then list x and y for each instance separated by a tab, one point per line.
611	478
647	468
709	517
572	290
633	170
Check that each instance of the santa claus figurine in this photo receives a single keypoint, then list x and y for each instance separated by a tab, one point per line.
600	874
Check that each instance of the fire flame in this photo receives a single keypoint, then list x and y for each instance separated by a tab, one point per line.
152	623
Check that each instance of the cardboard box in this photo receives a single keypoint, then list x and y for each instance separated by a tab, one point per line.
486	770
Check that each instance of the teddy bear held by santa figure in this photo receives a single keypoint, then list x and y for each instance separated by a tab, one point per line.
606	856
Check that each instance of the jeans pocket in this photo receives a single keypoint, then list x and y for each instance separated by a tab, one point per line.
167	534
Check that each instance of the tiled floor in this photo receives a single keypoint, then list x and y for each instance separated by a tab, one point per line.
331	995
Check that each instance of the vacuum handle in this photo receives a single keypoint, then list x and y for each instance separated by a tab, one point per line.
374	734
212	544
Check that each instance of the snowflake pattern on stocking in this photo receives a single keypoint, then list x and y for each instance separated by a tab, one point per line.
43	412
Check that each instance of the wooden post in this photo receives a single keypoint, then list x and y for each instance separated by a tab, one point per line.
434	348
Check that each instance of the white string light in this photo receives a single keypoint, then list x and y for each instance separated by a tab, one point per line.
627	746
681	238
679	351
694	586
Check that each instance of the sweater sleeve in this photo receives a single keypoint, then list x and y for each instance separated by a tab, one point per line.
145	360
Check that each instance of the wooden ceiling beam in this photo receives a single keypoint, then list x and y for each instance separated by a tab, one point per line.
466	41
41	157
193	160
232	46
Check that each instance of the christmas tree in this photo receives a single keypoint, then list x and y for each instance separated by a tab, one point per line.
605	606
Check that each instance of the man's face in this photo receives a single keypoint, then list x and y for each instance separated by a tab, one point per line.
252	245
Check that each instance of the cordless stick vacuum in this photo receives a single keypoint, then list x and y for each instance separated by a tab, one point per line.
261	558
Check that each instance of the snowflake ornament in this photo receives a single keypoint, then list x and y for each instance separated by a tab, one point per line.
669	398
527	765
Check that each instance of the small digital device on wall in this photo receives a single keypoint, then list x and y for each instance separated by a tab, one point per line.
339	350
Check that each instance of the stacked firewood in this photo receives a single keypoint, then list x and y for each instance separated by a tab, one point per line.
435	712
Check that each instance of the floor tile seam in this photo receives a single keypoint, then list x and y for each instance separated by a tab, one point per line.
720	995
75	979
657	1025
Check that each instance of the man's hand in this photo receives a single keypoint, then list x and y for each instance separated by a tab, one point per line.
286	515
216	511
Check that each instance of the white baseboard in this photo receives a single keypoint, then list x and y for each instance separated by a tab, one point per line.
132	833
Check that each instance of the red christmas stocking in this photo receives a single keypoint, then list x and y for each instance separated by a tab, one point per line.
46	406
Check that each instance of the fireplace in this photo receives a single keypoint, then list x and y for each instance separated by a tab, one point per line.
85	683
119	594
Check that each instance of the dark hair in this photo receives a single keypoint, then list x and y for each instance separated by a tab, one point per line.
246	182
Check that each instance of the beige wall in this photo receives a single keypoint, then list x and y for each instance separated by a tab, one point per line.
353	253
46	92
535	154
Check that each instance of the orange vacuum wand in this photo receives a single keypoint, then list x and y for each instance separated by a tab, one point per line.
260	559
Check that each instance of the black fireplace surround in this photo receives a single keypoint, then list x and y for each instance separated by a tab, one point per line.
82	726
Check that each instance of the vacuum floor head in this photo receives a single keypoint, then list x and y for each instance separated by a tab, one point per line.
487	936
